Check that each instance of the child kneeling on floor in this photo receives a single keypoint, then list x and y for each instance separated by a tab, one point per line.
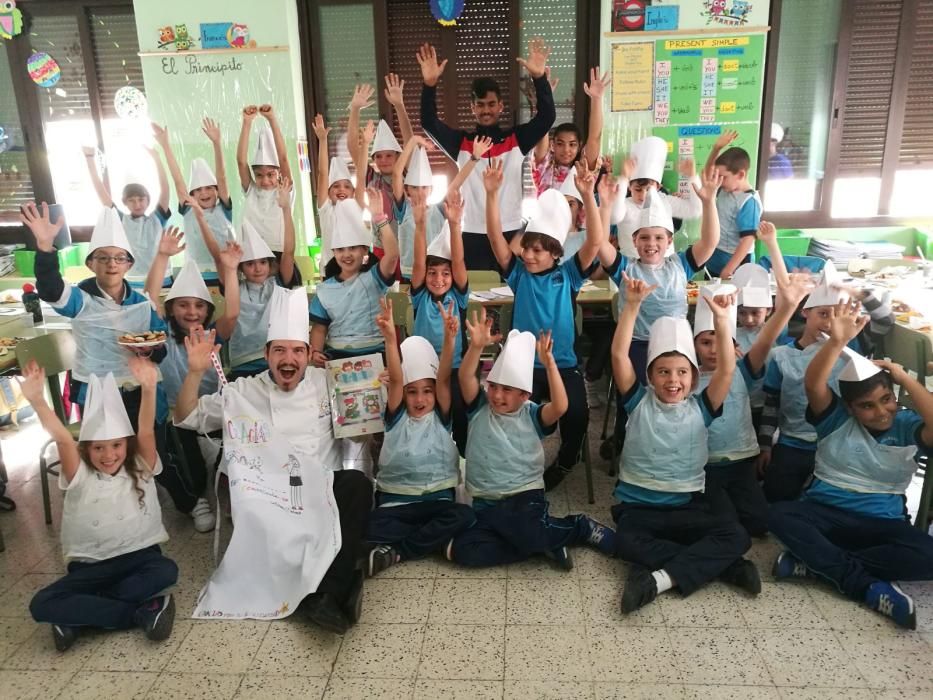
505	458
663	523
850	525
116	571
419	466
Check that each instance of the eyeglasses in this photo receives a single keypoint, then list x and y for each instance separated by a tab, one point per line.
105	259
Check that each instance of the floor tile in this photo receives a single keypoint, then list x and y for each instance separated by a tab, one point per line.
782	605
540	652
715	605
33	685
638	691
548	690
92	685
544	601
294	647
38	653
718	656
129	650
397	600
901	660
632	654
601	605
219	647
419	568
339	688
731	692
256	686
841	613
902	694
588	563
380	651
13	632
447	569
183	686
15	601
463	652
807	657
468	601
540	566
826	693
458	690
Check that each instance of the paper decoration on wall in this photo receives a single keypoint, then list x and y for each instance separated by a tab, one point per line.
732	13
130	103
43	70
628	15
662	18
11	19
446	12
304	159
226	35
176	37
238	36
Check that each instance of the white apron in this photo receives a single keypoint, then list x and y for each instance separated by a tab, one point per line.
850	458
286	524
96	328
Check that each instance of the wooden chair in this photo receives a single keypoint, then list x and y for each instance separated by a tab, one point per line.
55	353
585	447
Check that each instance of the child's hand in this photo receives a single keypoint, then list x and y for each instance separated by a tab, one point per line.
362	97
368	133
199	345
536	62
267	111
628	167
419	209
480	330
33	383
847	322
211	129
194	205
607	165
687	168
481	144
89	151
385	320
144	371
720	304
636	290
712	181
766	231
283	194
797	287
375	203
320	131
553	82
394	92
450	321
725	138
231	255
597	85
584	178
898	374
492	176
160	134
454	202
249	114
172	241
41	225
431	70
545	347
608	189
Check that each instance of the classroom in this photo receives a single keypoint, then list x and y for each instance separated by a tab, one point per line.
466	348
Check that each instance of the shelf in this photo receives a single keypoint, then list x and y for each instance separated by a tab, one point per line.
200	52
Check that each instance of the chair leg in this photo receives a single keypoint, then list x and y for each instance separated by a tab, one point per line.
2	544
609	405
588	467
44	478
923	509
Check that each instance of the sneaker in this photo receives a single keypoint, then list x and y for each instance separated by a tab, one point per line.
788	566
744	574
64	636
554	475
203	516
156	617
891	601
323	610
599	536
381	558
640	589
562	557
353	607
594	393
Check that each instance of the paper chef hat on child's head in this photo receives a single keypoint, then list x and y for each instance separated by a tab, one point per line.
669	334
104	414
419	169
189	283
552	217
654	212
109	233
754	285
440	246
650	154
515	365
200	175
858	368
703	321
337	171
288	315
827	292
254	247
385	140
568	188
349	227
265	148
419	360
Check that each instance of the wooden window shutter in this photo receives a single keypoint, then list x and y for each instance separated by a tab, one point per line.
555	21
917	137
116	55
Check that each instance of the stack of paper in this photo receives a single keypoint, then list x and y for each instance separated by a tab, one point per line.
844	251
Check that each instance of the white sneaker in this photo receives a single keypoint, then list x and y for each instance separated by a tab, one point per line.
594	392
203	516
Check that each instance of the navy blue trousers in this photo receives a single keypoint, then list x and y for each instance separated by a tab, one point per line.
418	529
732	489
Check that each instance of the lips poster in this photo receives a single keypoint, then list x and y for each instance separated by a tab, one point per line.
356	395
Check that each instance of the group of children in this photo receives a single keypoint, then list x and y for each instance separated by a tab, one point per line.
694	444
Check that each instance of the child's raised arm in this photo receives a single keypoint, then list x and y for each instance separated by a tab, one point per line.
458	268
923	399
362	98
419	211
492	181
242	147
160	134
789	296
481	145
398	170
389	242
557	406
229	261
721	381
595	89
609	191
90	159
845	325
386	323
636	291
205	228
725	138
709	227
171	243
211	129
479	329
446	361
395	96
285	170
361	162
768	234
284	200
148	377
323	159
33	388
585	180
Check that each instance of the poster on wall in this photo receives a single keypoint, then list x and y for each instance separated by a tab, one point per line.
695	141
632	67
628	15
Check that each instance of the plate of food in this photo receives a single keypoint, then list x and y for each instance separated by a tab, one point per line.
145	339
10	342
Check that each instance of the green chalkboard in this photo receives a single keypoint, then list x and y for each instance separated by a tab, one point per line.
695	141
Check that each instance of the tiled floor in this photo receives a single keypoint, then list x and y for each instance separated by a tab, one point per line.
431	630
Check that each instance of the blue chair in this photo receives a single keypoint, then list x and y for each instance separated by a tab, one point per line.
797	262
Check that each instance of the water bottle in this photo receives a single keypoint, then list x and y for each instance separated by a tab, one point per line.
31	303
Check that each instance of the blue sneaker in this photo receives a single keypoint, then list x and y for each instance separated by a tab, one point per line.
788	566
891	601
599	536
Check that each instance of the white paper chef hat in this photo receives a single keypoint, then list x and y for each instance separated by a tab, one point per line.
108	232
200	175
827	292
265	148
288	315
754	285
649	154
440	246
777	132
655	212
419	169
703	321
568	188
337	171
104	414
385	140
515	365
552	217
349	227
858	368
254	247
669	334
419	360
189	283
